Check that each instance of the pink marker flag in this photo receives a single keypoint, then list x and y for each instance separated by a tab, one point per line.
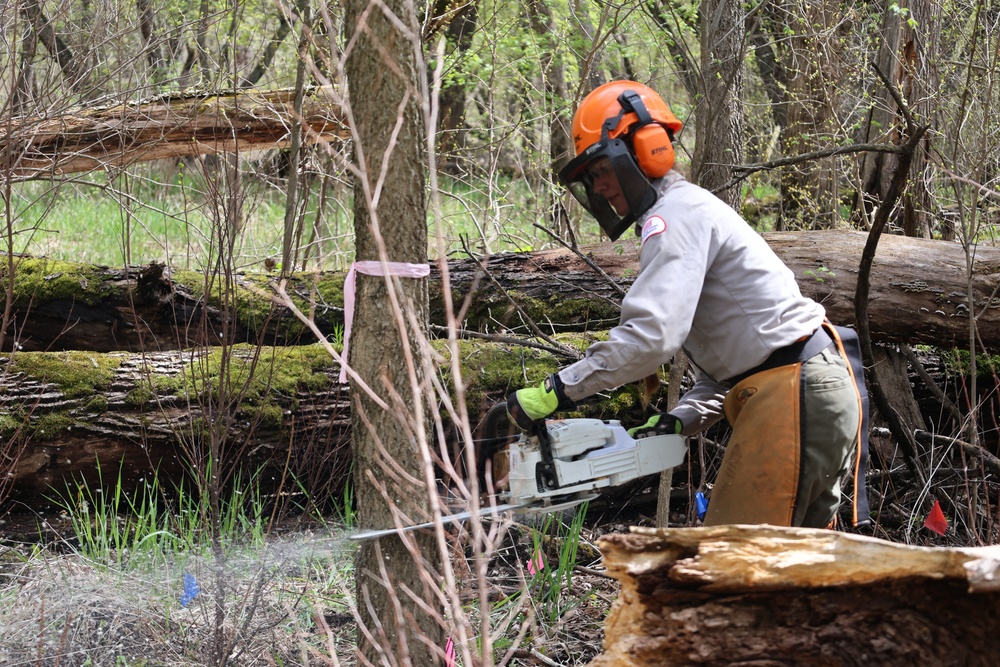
537	563
371	268
935	521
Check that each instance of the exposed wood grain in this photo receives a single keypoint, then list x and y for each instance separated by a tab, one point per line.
114	136
761	595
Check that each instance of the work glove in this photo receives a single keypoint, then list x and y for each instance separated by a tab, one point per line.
662	423
526	406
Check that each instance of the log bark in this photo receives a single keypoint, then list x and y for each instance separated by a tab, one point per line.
918	295
115	136
139	414
767	596
71	416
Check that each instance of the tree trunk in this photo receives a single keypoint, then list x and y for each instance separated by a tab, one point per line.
174	126
82	416
906	56
90	418
401	612
719	110
766	596
811	54
459	20
918	295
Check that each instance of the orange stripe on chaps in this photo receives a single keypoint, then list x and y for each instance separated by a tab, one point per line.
759	478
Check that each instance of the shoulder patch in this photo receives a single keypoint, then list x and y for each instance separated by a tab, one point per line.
653	226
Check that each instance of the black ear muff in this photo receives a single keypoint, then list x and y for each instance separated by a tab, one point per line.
653	150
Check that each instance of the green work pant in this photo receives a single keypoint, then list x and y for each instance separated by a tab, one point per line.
795	428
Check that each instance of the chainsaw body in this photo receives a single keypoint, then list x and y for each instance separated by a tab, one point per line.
560	464
564	463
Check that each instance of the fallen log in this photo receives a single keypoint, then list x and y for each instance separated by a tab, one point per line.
89	419
73	417
117	135
920	294
767	596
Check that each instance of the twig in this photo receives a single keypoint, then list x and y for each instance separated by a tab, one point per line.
743	171
509	340
573	354
989	460
911	125
587	260
863	290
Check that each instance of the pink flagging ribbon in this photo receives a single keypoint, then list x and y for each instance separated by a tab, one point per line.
371	268
450	654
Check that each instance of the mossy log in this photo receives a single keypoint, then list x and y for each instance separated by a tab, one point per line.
85	417
115	136
920	294
766	596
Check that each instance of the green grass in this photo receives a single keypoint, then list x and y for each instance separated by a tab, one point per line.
171	216
149	527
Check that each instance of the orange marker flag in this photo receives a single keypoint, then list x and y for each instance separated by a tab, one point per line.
935	521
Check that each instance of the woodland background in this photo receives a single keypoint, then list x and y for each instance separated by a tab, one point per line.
804	116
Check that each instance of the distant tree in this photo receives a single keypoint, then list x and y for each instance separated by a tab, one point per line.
719	100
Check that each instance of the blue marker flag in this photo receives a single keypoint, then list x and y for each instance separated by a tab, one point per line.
190	589
702	502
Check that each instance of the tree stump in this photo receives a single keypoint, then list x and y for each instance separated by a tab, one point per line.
767	596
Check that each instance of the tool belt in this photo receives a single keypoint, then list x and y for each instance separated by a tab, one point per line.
801	350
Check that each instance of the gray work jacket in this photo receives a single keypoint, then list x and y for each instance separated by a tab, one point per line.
708	283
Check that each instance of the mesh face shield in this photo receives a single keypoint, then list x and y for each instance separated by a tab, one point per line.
639	193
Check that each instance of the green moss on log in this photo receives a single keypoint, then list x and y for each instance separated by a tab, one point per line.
556	311
492	371
310	292
39	280
76	374
254	375
51	426
266	381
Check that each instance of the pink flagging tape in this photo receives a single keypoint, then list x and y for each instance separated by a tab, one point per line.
371	268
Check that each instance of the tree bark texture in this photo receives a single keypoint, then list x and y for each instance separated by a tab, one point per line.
918	295
719	111
82	416
86	418
812	59
112	137
767	596
401	609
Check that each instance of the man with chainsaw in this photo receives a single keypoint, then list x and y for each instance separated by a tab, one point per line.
763	354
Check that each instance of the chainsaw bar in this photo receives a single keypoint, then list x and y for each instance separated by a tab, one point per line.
492	511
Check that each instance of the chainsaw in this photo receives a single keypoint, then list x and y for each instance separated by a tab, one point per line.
558	464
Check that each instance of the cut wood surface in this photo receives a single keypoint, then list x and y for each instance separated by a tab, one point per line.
919	295
768	596
117	135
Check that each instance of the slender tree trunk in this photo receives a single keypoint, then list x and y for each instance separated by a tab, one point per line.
386	103
55	44
150	40
557	103
809	194
461	18
266	58
719	131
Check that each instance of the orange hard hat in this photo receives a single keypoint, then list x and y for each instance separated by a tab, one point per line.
602	104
